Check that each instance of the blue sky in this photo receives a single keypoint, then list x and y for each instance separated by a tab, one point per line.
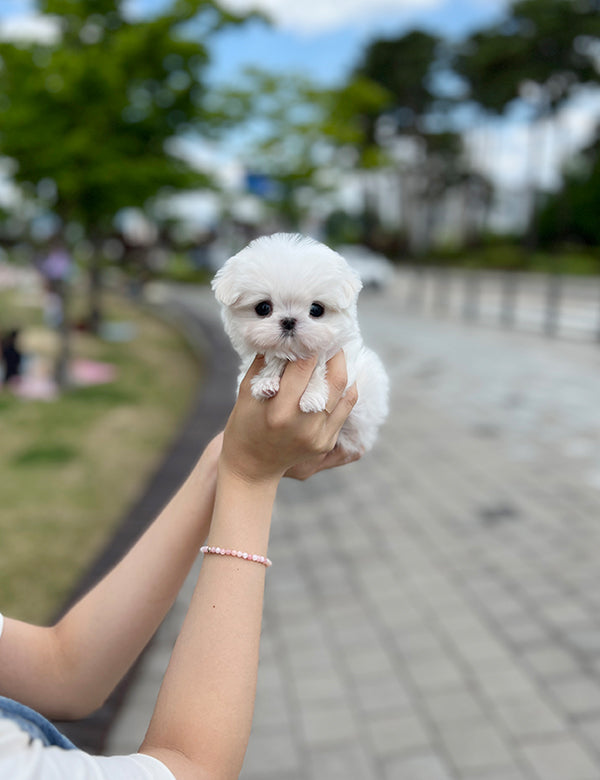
329	54
321	38
324	39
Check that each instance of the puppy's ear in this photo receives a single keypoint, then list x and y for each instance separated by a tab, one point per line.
350	287
225	284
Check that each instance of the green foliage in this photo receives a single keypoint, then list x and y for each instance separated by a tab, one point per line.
538	56
343	228
279	119
507	254
539	52
352	115
487	63
571	215
92	112
497	253
403	66
180	269
278	116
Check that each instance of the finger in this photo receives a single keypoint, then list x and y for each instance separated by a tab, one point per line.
342	409
295	379
256	366
306	468
337	378
338	457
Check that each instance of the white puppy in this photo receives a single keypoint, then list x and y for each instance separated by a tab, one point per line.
288	297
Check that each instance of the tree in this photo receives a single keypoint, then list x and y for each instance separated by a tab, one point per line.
91	114
538	55
571	215
403	67
350	125
412	123
276	124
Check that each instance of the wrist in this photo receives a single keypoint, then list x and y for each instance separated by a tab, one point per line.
243	511
247	477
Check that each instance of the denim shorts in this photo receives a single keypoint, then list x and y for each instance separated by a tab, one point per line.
34	724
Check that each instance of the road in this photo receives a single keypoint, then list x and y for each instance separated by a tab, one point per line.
433	610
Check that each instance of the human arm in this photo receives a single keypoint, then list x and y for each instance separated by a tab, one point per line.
202	720
66	671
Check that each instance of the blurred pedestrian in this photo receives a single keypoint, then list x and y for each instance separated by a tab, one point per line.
12	358
56	268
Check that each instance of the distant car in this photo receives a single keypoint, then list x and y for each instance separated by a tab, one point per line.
374	269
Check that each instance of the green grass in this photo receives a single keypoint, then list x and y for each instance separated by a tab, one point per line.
181	269
509	256
44	453
70	468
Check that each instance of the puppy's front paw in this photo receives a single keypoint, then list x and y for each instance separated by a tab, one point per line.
313	401
265	387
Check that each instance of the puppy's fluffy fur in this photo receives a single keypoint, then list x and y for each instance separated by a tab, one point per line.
289	297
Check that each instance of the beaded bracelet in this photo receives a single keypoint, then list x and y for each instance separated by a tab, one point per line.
236	554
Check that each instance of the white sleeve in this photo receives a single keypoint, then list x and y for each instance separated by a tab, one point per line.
77	765
21	759
1	623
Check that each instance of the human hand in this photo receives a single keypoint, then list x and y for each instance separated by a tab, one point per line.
265	439
331	460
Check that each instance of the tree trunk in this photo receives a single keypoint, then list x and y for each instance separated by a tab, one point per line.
95	316
537	159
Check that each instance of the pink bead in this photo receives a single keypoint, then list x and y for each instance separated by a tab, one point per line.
236	554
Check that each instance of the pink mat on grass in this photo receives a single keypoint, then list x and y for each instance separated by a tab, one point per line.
89	372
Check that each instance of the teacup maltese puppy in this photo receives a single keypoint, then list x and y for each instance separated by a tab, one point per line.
286	297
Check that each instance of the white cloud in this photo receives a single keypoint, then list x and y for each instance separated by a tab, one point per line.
312	16
503	149
29	27
210	159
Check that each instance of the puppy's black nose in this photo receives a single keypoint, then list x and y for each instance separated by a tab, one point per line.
289	323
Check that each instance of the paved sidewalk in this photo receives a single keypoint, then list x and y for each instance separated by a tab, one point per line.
433	610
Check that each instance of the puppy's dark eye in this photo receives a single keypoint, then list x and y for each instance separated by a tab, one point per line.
316	310
264	308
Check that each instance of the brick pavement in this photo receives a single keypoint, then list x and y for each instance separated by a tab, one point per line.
432	611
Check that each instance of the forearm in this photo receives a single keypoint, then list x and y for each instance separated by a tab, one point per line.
97	641
204	710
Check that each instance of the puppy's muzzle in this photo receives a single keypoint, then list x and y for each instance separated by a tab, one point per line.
287	325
